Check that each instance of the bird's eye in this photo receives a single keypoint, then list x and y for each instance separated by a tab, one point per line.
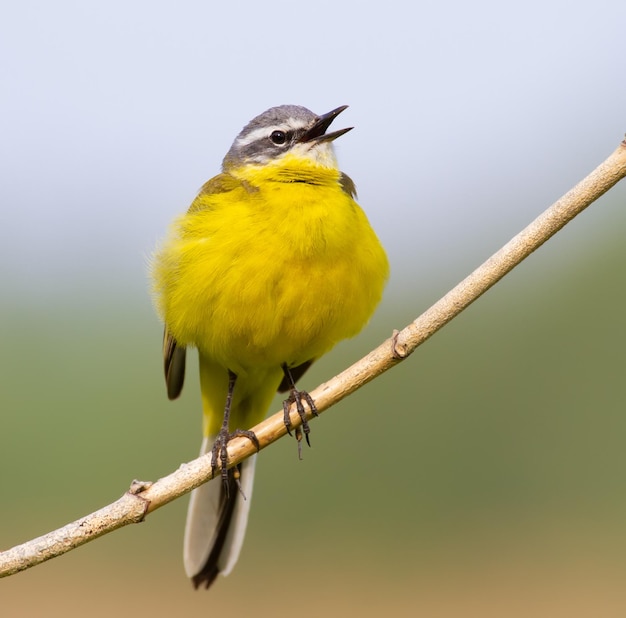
278	137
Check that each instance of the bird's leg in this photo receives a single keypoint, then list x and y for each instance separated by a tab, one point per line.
220	447
297	397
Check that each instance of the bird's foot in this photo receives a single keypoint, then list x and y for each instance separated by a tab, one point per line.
298	397
219	452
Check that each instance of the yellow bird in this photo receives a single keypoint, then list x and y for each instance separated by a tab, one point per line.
271	266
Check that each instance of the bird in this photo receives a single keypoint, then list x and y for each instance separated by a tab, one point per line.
273	264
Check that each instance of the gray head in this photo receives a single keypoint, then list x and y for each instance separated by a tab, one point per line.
285	129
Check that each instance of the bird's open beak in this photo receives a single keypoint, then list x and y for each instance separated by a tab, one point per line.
317	133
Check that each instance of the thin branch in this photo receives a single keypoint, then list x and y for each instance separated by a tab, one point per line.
143	498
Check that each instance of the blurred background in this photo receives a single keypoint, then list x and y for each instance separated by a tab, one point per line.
484	476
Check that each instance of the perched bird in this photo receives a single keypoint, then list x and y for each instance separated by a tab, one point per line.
271	266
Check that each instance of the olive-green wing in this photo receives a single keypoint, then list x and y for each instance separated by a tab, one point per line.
222	183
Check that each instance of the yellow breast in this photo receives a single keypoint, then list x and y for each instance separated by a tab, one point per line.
264	270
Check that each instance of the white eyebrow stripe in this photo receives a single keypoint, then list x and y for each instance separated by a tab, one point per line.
293	124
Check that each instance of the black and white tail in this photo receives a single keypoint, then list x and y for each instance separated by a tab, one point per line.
216	523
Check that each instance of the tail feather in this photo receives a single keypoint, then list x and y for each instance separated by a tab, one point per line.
216	523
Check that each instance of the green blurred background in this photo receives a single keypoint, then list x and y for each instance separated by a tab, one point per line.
482	477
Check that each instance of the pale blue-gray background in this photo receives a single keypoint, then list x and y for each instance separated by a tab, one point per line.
470	118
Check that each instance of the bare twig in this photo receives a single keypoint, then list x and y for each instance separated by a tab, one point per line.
143	498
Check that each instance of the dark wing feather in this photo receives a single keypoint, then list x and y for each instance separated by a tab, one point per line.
296	374
347	185
174	365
